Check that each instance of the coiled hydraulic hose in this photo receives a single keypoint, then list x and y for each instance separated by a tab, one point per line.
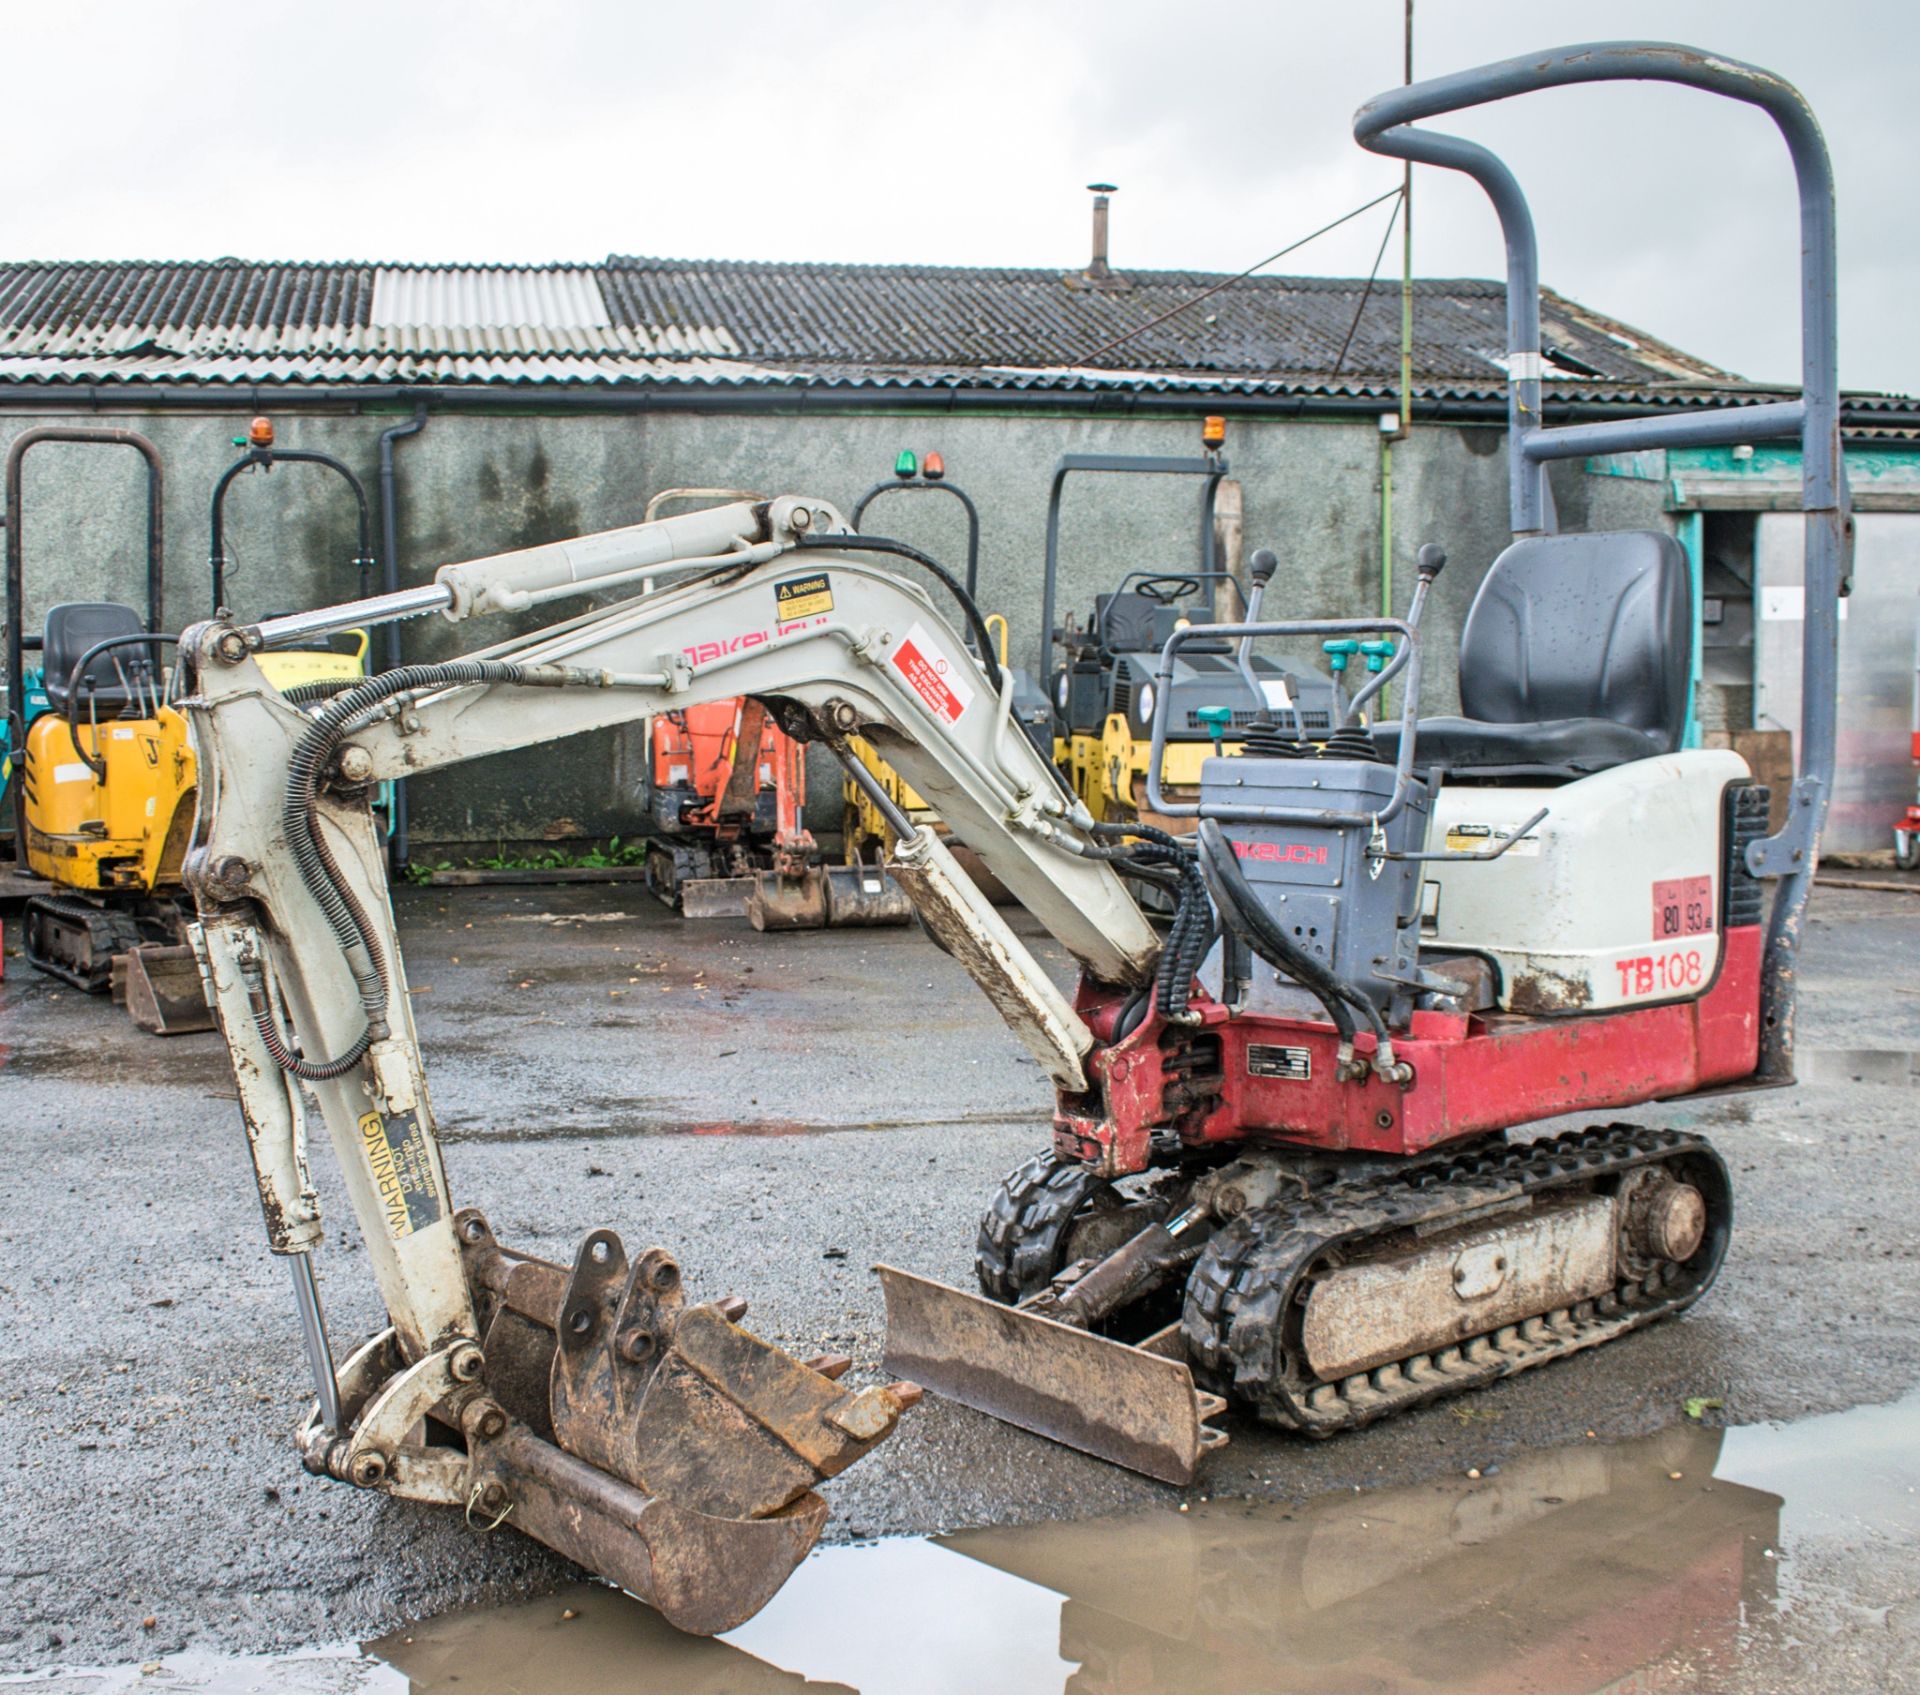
1164	859
311	760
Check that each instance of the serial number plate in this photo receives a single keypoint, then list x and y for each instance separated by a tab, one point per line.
1292	1065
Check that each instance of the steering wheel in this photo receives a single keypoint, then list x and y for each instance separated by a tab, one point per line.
1164	591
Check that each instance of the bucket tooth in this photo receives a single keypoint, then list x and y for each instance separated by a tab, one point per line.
1135	1407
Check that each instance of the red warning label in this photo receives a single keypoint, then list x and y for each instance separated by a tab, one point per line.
1682	906
932	674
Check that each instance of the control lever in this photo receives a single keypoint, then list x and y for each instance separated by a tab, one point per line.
1340	654
1427	564
1260	570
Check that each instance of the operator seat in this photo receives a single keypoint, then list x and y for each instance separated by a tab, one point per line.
1124	622
71	629
1575	657
1135	623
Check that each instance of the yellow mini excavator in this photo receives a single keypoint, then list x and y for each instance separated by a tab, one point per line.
104	785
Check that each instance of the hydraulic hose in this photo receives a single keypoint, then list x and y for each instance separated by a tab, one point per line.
311	760
880	544
1165	859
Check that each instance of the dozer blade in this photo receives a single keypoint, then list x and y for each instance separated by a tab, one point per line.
1132	1406
163	991
714	897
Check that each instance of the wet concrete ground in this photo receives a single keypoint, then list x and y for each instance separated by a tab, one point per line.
597	1063
1695	1558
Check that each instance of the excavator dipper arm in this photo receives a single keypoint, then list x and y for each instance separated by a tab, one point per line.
654	1441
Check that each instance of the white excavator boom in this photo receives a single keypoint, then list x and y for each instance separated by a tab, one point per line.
575	1387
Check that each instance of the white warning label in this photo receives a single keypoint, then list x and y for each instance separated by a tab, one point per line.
935	676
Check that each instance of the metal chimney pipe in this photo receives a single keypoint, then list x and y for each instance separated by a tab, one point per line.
1099	268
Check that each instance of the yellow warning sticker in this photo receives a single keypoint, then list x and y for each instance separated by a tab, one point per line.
803	597
403	1172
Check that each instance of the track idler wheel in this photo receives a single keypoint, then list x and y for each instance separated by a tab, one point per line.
1043	1211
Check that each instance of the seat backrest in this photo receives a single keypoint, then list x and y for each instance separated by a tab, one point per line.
1133	623
1124	622
74	627
1582	626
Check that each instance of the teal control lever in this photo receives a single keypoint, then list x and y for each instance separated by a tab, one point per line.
1218	720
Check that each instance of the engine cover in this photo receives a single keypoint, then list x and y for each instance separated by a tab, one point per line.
1613	899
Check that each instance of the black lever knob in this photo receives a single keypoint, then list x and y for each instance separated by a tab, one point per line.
1429	560
1263	565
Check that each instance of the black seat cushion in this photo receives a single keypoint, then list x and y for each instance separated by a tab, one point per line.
70	630
1575	657
1567	747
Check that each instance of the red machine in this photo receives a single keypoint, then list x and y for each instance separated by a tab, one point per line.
727	792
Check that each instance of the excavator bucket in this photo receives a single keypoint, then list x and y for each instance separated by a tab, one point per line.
1134	1406
827	897
783	902
654	1442
162	990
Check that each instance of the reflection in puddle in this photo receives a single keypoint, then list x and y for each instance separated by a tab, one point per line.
1573	1570
1899	1066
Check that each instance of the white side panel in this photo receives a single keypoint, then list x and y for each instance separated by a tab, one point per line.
1612	900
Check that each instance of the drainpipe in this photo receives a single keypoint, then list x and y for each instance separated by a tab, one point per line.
397	843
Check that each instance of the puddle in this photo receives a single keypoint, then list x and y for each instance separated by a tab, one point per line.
1565	1572
1898	1066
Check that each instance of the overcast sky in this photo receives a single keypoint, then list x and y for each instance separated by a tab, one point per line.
961	133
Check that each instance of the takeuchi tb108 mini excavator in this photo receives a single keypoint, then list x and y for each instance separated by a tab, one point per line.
1280	1172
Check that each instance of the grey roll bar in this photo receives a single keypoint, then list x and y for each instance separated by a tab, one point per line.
1212	467
1383	125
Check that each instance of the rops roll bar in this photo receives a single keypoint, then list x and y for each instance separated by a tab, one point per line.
1212	467
1383	125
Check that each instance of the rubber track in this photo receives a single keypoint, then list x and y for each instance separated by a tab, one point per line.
1247	1295
108	932
1023	1233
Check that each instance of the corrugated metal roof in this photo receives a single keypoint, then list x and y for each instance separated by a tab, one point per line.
520	296
652	322
896	314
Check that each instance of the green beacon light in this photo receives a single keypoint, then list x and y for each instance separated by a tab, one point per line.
1217	719
906	466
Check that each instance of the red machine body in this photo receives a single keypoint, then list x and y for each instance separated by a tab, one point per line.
1471	1075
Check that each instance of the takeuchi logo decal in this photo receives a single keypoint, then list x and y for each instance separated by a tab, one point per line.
1281	853
705	653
